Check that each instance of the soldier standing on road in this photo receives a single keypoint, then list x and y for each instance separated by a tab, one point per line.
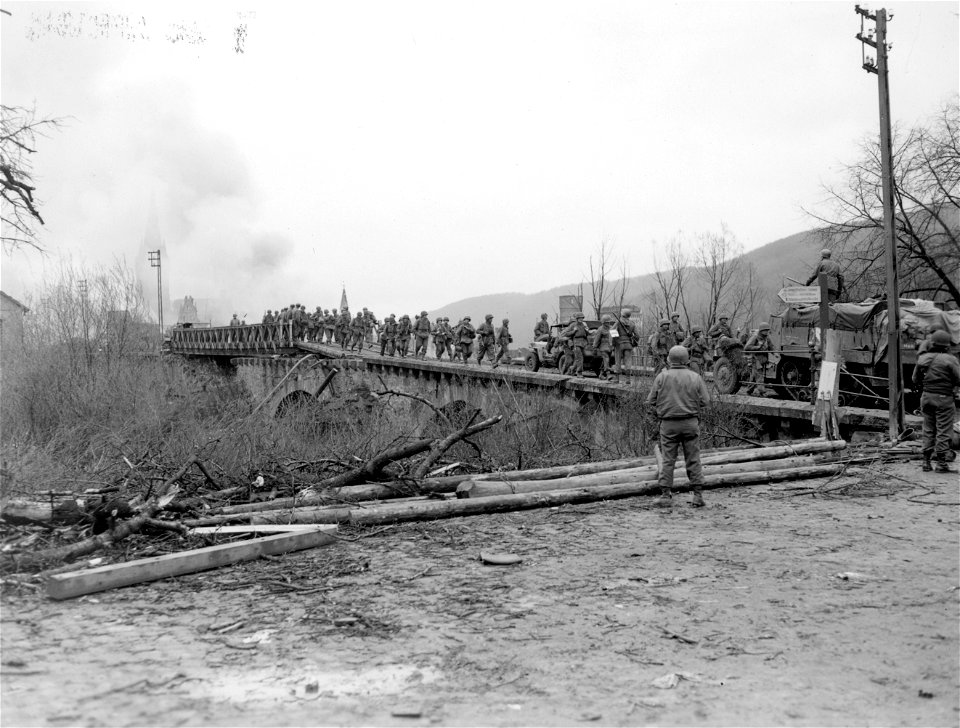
676	328
759	346
628	336
576	335
504	339
421	331
937	374
603	344
661	341
834	277
487	336
388	336
465	334
696	347
678	396
541	332
719	330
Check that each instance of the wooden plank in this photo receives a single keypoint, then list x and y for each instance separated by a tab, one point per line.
88	581
254	528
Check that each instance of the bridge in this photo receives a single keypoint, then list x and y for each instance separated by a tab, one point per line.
279	372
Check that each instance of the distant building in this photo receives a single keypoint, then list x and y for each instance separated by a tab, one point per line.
11	324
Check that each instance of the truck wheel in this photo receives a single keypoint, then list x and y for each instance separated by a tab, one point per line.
793	379
532	362
726	378
563	363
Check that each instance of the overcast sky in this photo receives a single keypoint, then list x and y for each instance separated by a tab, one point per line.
422	152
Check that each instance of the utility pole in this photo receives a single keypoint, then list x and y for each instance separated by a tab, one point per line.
84	289
880	67
154	257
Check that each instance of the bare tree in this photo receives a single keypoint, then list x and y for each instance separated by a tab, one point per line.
927	212
606	291
19	128
671	281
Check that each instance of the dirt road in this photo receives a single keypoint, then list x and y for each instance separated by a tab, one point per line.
765	608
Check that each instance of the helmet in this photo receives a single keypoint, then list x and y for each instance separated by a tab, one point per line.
940	338
422	313
579	316
763	327
489	317
466	318
675	314
543	315
696	329
608	319
826	253
506	321
678	355
626	312
723	316
664	322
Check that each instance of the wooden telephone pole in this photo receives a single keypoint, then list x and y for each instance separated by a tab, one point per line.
880	67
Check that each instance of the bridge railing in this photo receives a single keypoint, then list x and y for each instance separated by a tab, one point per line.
252	338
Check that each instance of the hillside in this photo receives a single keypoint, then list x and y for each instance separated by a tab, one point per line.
792	256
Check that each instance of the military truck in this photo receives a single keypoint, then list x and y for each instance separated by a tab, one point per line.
795	335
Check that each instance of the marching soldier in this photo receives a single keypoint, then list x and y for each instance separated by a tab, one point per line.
447	337
343	328
696	347
603	343
831	268
268	317
504	339
628	336
487	336
661	341
357	327
388	336
541	332
720	329
404	329
235	321
576	335
421	332
329	325
759	346
676	328
465	334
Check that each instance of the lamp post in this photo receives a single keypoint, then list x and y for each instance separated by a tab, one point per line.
154	257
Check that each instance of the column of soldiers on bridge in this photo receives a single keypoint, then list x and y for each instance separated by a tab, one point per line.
394	335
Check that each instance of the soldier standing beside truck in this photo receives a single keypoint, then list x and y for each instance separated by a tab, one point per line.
628	336
937	374
576	334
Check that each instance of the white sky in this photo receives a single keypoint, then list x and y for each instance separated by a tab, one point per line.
422	152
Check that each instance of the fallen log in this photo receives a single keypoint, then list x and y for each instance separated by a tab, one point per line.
485	488
432	509
87	581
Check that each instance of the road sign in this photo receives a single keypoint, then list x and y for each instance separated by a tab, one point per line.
799	294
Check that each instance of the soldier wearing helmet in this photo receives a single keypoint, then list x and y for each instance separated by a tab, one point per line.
831	269
388	336
937	375
627	338
487	335
357	327
465	333
720	329
421	335
541	332
504	339
404	329
696	346
575	337
660	343
678	396
676	328
758	348
268	317
442	337
603	344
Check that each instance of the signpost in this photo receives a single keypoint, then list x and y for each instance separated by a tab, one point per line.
799	294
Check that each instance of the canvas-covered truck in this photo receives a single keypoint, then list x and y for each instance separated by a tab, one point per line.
795	335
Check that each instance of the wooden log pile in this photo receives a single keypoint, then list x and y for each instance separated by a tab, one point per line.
345	498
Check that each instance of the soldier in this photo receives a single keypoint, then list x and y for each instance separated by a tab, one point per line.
696	347
316	325
268	317
678	396
719	330
388	336
541	332
628	336
937	375
576	335
834	277
235	321
504	339
603	344
404	329
369	323
447	337
661	341
488	336
329	325
759	346
357	328
465	334
421	333
676	328
343	328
